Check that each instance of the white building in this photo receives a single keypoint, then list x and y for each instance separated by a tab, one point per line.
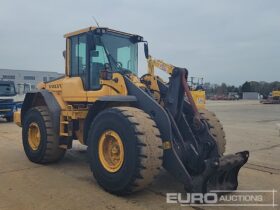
251	96
27	76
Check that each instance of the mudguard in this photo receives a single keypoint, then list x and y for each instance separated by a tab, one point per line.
100	104
40	98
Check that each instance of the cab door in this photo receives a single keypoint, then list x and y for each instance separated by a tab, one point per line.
79	58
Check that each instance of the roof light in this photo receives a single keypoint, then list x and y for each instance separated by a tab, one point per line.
100	31
136	38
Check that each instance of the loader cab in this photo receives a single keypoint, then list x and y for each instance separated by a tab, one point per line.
94	50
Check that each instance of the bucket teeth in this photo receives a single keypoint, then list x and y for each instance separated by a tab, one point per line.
220	174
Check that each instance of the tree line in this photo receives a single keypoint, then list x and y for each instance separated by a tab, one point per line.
263	88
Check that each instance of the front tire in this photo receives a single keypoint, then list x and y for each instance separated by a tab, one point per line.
132	163
39	139
216	129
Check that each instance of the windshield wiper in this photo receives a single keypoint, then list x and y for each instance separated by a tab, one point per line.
109	56
111	60
119	68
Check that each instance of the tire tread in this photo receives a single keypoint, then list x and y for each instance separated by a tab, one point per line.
216	129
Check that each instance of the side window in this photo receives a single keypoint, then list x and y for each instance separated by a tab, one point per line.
78	55
98	59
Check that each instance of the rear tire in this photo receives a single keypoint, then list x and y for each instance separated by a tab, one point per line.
45	148
216	129
142	149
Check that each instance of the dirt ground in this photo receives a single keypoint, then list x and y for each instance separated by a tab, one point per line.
69	184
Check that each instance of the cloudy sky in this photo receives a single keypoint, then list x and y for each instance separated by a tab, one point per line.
222	40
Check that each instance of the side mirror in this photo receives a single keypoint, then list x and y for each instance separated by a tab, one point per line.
146	50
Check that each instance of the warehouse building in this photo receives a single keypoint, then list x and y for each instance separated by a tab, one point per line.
31	78
251	96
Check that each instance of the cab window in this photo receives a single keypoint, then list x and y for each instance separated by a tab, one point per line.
78	55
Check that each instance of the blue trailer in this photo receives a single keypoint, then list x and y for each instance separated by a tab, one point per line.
9	100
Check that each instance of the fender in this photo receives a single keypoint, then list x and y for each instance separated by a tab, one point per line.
102	103
117	99
42	98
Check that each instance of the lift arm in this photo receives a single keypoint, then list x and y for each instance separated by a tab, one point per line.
170	69
160	64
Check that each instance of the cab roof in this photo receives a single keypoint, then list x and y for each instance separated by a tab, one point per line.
92	28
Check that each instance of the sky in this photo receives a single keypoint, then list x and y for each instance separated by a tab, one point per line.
229	41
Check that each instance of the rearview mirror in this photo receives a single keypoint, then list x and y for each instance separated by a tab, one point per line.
146	50
64	54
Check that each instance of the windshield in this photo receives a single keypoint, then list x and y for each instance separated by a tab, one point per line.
121	52
7	90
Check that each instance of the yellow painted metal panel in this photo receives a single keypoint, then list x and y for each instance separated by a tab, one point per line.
199	98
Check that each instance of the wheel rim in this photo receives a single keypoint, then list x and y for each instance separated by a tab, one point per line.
34	136
111	151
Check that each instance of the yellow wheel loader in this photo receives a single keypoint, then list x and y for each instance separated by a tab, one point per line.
197	91
132	126
273	98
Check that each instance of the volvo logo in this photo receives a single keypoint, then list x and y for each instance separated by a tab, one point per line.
55	86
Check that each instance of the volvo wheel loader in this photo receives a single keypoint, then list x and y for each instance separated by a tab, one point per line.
132	126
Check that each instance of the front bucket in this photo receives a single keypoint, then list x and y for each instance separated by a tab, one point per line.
220	174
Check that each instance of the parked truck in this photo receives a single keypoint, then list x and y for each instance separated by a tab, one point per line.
10	99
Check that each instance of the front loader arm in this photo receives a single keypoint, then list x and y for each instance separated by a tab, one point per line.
160	64
192	142
170	69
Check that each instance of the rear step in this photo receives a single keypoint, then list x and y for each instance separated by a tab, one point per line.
220	174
